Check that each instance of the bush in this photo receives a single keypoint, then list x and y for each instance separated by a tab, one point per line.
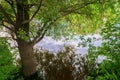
8	71
65	65
109	69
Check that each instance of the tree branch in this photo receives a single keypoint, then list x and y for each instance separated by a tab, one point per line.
40	35
38	38
39	6
12	32
43	30
6	15
7	27
73	8
37	9
13	36
11	3
31	5
69	10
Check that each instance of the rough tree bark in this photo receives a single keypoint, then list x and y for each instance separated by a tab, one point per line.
28	60
29	63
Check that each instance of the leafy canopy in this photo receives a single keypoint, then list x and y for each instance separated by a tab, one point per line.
82	16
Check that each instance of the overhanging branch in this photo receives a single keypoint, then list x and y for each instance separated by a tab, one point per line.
64	12
43	30
12	32
34	14
6	15
3	24
11	3
40	35
74	8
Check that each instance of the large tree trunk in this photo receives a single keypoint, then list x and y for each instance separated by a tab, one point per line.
29	62
25	47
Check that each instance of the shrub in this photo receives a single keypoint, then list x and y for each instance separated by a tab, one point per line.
8	71
65	65
109	69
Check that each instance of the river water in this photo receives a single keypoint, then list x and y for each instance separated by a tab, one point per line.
52	45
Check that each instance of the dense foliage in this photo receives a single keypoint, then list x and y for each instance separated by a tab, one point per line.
7	69
109	69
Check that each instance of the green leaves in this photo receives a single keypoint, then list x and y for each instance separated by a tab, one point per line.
85	16
23	35
8	71
6	59
109	69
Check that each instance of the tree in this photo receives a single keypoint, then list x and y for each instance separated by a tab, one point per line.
18	16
